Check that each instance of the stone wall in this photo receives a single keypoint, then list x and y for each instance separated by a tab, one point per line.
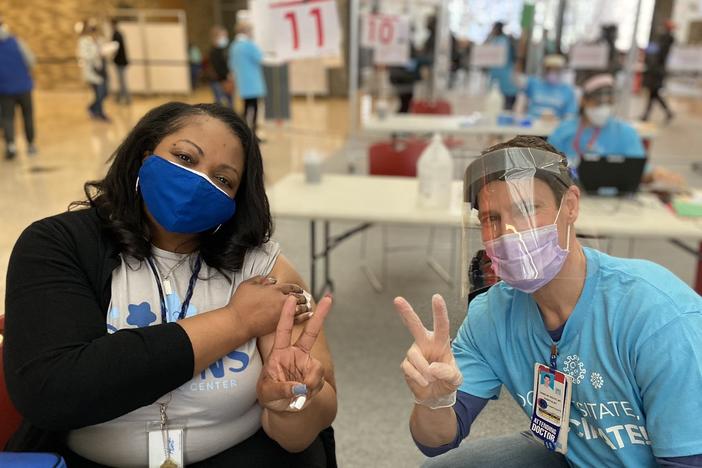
47	26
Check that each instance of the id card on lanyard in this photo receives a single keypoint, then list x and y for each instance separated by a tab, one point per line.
593	138
550	418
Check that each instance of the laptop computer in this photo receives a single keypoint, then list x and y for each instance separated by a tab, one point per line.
610	175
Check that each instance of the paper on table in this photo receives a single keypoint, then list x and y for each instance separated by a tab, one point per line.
689	205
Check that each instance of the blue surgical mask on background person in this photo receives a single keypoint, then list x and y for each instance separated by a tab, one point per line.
528	260
222	42
182	200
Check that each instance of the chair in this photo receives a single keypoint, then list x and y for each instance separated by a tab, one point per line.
397	157
439	107
10	420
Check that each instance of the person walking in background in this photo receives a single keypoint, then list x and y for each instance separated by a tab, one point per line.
245	62
16	85
218	70
92	63
654	76
121	63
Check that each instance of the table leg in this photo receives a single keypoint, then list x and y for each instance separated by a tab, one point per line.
698	281
328	283
313	257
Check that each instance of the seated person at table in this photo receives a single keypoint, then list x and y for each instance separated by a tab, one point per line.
597	131
549	96
628	333
157	301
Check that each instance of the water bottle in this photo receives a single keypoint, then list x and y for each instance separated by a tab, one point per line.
313	167
435	174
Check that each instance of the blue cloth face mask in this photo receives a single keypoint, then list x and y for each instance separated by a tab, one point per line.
182	200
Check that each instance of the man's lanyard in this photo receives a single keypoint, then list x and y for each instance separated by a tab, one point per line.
188	295
554	357
593	138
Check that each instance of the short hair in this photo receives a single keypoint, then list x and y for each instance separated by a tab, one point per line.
558	185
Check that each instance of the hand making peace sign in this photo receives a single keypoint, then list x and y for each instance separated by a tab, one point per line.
430	369
291	372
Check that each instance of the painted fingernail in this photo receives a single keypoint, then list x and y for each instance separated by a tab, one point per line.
298	403
272	280
299	389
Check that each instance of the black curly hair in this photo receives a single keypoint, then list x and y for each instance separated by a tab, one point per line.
119	205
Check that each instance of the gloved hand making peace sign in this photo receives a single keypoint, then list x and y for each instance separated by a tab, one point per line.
429	367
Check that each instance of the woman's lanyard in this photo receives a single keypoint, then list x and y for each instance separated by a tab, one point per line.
593	138
188	295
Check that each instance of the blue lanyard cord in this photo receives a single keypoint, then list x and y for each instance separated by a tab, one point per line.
188	295
554	356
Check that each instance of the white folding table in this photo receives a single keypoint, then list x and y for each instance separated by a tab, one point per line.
463	125
393	200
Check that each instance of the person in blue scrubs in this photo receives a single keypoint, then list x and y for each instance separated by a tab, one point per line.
627	332
597	131
549	95
246	64
504	75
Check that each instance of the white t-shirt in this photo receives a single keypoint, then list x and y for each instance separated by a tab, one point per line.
217	407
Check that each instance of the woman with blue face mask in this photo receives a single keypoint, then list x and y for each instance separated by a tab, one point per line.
158	323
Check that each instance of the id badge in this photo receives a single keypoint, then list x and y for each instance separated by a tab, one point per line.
550	419
165	445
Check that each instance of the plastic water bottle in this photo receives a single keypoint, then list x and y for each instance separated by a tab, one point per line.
435	174
313	167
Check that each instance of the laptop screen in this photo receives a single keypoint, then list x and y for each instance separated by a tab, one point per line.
612	175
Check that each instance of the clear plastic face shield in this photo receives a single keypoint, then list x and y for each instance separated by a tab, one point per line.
518	211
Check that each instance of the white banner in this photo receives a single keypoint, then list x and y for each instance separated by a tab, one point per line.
302	28
388	36
488	55
589	57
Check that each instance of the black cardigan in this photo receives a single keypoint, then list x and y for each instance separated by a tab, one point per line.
63	371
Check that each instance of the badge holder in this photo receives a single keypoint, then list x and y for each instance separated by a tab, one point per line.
550	419
165	439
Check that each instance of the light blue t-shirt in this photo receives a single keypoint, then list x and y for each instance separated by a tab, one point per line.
633	345
245	61
559	98
616	138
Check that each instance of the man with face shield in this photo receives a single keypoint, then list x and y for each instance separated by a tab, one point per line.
549	95
598	131
596	323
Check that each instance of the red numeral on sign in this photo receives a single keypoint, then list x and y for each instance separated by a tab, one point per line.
317	13
387	31
293	24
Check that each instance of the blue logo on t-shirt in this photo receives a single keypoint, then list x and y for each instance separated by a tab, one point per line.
217	367
140	315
